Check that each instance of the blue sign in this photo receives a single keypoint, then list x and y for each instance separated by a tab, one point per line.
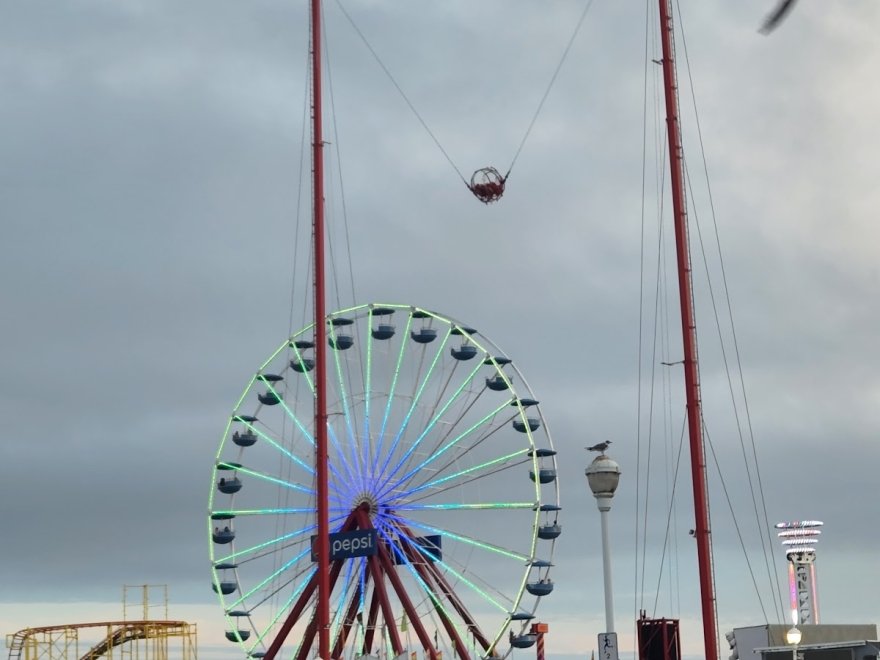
429	548
347	545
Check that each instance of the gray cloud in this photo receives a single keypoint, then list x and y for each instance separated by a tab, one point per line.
149	186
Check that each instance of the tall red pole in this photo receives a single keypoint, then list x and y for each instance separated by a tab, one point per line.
688	331
323	541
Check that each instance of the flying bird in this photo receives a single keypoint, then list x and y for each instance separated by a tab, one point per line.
776	17
602	446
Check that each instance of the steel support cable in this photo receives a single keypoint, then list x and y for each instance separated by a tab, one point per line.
657	298
660	148
399	89
733	516
336	142
690	209
285	468
345	227
422	121
334	269
641	319
732	397
636	602
765	535
574	34
709	545
669	513
650	438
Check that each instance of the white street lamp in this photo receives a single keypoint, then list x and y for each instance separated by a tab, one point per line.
793	637
603	475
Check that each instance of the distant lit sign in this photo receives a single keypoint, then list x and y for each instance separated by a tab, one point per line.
347	545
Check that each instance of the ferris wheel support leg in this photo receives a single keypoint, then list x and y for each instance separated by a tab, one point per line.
308	638
292	618
405	600
379	586
305	646
371	622
347	623
300	604
460	647
453	598
385	604
460	608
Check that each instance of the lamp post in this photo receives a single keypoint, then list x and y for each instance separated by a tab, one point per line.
793	637
603	475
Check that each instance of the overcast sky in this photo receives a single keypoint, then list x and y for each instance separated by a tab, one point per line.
150	160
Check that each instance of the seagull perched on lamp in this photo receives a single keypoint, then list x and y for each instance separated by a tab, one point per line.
601	447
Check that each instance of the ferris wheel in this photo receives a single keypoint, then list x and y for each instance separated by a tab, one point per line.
443	499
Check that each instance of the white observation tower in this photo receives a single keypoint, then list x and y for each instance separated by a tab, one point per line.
799	540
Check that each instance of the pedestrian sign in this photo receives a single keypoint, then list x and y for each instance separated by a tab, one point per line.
608	646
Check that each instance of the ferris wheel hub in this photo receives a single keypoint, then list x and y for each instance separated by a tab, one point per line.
366	502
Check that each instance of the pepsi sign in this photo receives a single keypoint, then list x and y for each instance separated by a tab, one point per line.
347	545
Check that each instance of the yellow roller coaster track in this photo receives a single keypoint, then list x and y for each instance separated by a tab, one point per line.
61	642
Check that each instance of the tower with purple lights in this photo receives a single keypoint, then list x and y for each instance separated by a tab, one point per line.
799	540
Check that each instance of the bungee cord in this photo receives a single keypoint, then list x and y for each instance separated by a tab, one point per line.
487	183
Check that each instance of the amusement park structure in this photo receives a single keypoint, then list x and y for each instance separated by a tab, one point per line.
386	484
141	638
799	540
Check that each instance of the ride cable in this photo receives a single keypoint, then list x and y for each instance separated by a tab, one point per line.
487	183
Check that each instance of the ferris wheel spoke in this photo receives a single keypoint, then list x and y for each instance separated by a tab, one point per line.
309	437
480	471
292	485
453	424
417	394
418	576
392	394
458	506
368	391
290	413
342	485
268	545
436	417
437	454
282	611
356	473
301	427
354	611
355	604
300	360
271	577
468	540
272	512
274	443
435	584
348	580
445	565
484	591
406	495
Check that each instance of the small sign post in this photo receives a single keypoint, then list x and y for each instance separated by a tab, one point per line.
608	646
